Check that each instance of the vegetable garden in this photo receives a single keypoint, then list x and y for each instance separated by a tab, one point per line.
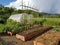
12	27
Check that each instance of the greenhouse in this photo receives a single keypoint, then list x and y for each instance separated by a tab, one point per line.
21	17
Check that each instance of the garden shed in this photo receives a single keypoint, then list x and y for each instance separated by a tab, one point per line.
21	17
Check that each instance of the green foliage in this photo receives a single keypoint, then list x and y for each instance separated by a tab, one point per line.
49	21
9	11
41	21
14	26
1	28
52	21
3	18
10	26
6	10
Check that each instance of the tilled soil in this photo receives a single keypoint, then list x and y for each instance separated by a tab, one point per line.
40	29
28	34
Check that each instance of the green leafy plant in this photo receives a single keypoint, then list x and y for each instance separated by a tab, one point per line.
14	26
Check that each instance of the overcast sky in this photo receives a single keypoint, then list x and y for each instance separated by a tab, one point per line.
49	6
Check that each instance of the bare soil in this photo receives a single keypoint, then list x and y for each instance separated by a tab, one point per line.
10	40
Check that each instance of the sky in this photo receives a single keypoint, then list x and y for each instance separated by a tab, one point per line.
48	6
6	2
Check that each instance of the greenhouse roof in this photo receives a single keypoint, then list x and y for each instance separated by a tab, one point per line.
16	16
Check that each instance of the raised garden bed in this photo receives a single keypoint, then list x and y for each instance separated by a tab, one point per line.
13	33
49	38
28	34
